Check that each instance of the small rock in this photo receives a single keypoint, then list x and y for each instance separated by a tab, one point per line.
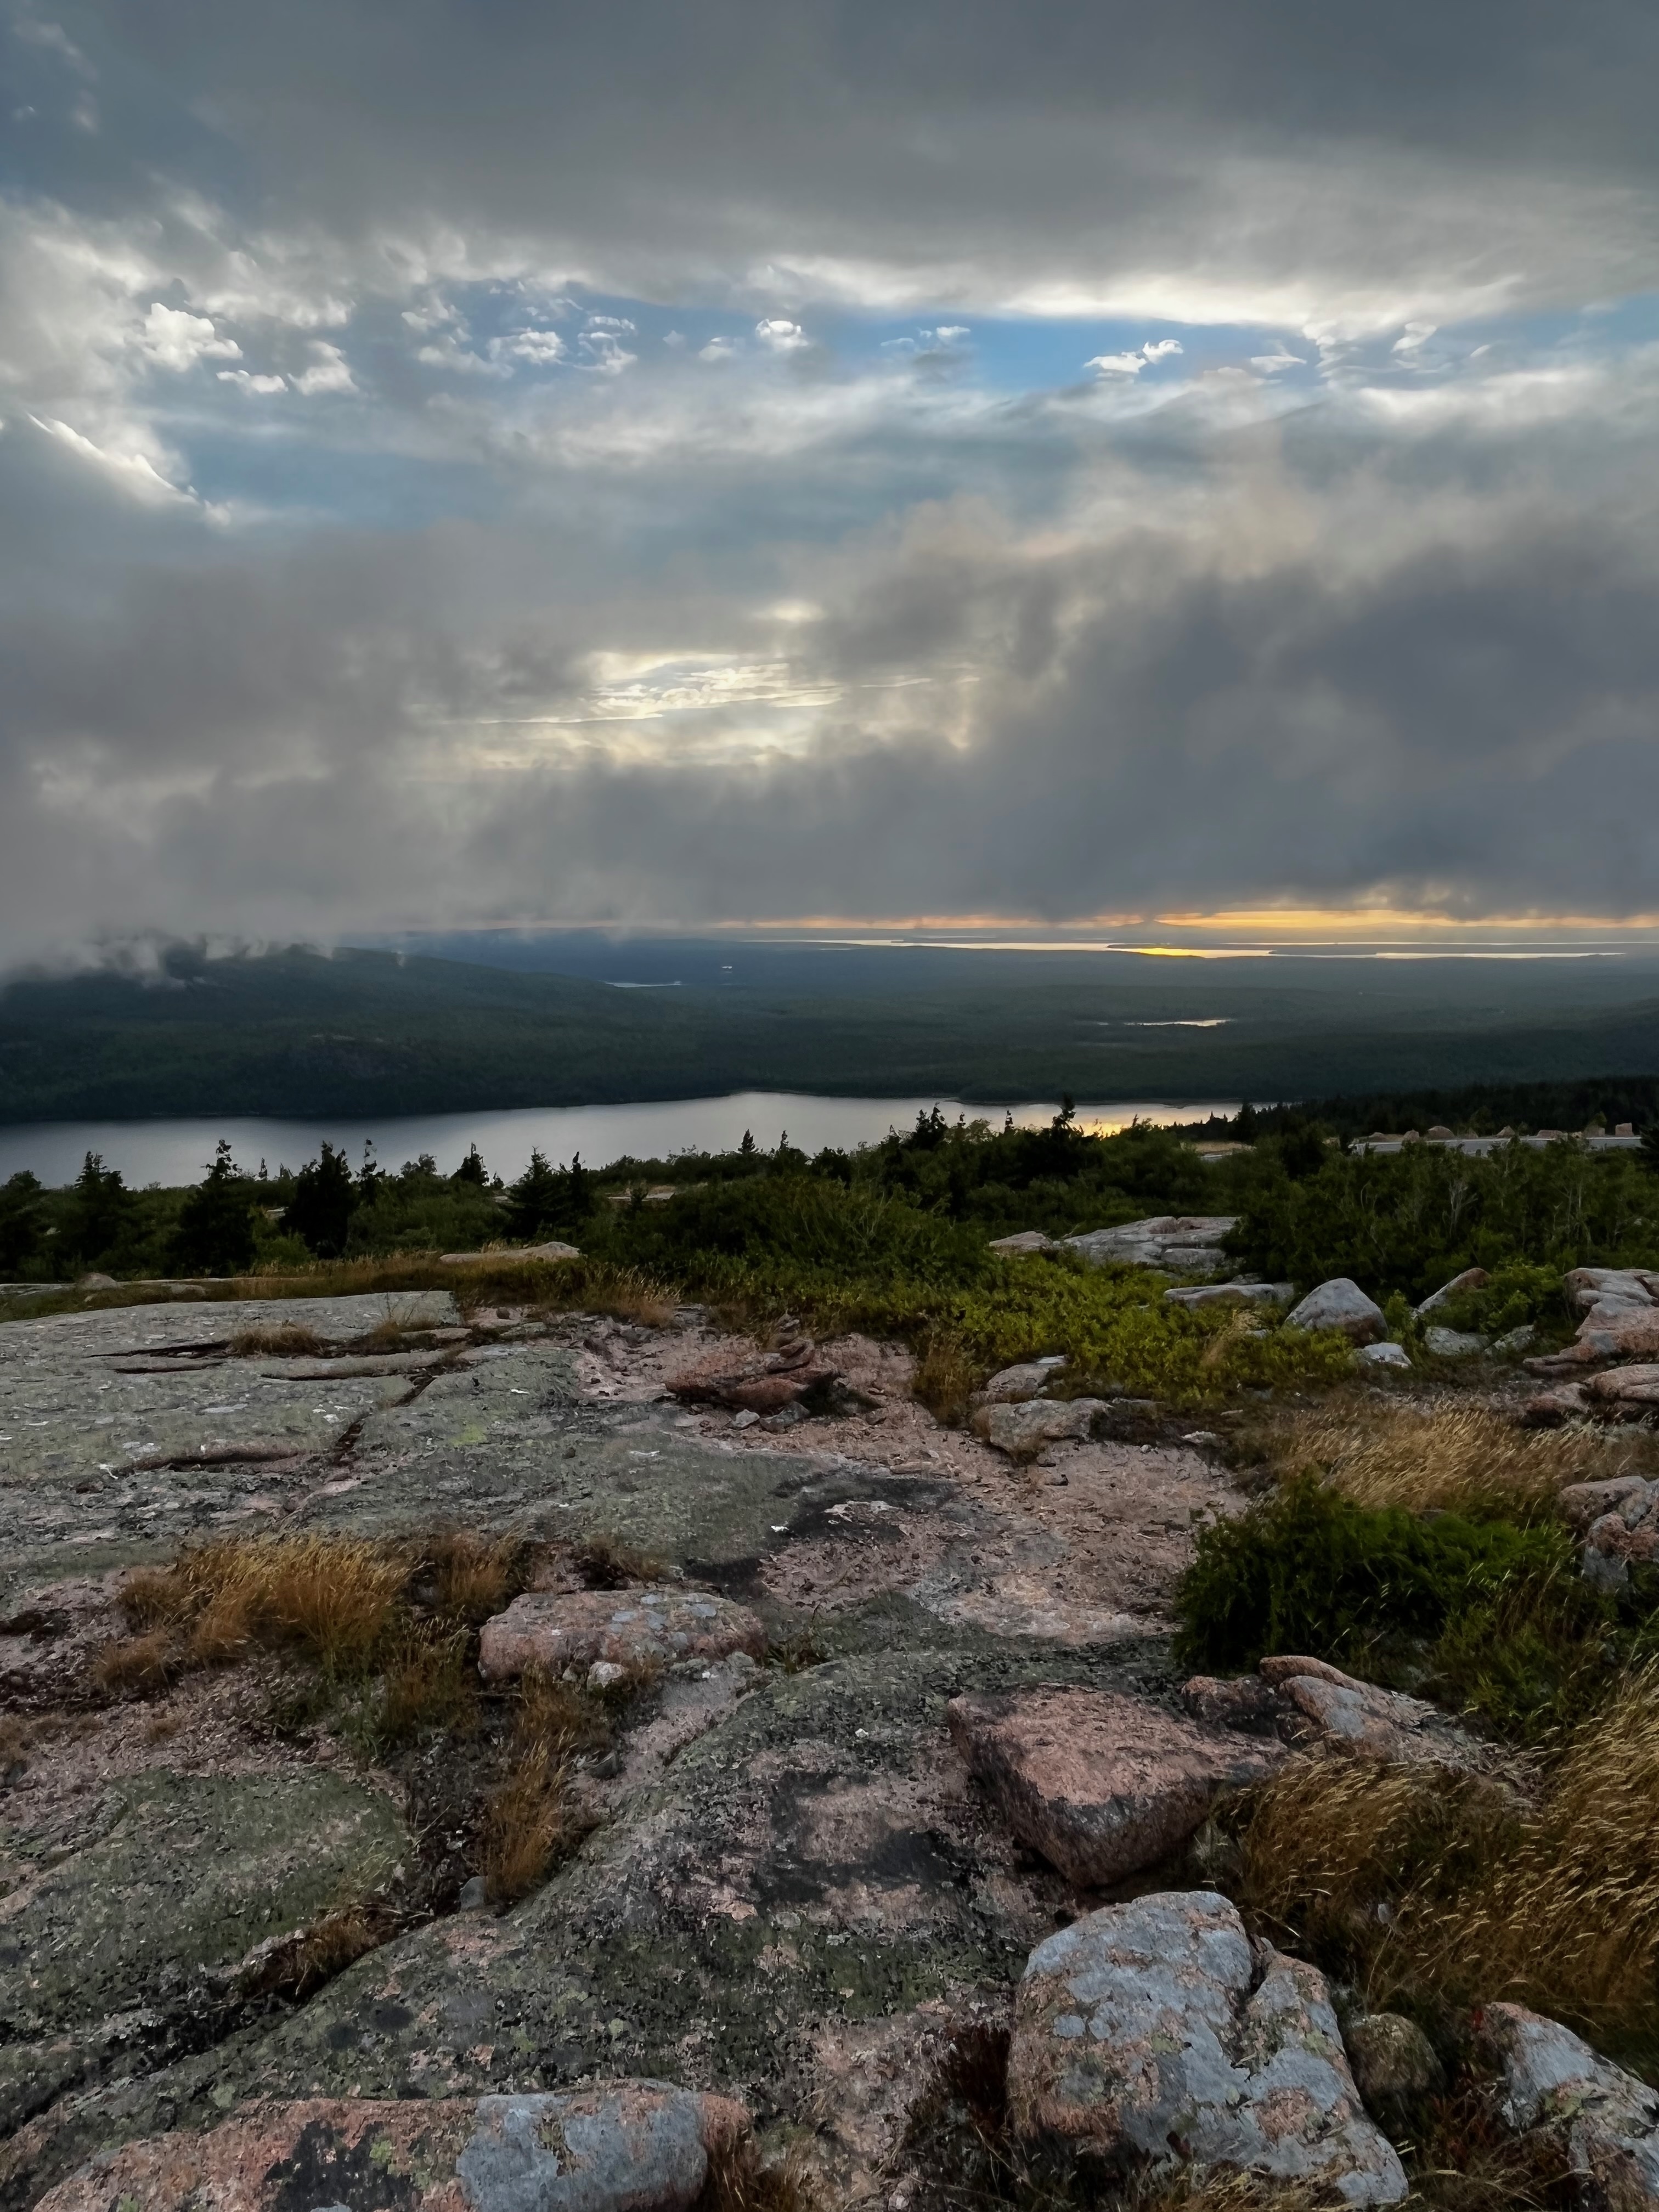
1100	1783
1340	1303
1514	1341
1013	1386
604	1674
1453	1343
1156	2025
630	1628
1223	1294
747	1418
1022	1430
1551	2079
616	2147
474	1894
1472	1278
1383	1355
1394	2063
1027	1240
96	1282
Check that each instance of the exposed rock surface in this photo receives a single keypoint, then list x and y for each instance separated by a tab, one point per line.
1231	1294
1310	1704
1176	1243
618	2147
624	1628
793	1864
1607	2120
1101	1784
1340	1304
125	1920
1155	2027
1024	1240
1620	1307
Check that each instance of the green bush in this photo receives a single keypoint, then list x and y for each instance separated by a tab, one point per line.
1305	1569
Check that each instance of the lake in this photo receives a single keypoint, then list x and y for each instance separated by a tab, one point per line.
175	1153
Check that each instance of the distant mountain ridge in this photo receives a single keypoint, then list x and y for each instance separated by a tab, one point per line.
359	1034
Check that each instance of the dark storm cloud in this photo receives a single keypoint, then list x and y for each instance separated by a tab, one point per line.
373	559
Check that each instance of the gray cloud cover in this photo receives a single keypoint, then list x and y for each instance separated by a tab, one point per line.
481	462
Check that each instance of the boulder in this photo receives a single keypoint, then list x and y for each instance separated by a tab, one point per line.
1026	1240
1383	1355
1394	2063
1022	1430
616	2147
1453	1343
1606	2120
1472	1278
1177	1243
629	1628
1340	1304
1312	1706
1231	1294
1157	2026
1637	1385
1586	1289
1099	1783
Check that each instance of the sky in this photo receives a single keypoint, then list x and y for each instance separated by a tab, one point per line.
807	463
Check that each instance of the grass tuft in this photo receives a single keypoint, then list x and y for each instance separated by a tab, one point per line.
946	1375
1427	1889
138	1666
1446	1457
287	1339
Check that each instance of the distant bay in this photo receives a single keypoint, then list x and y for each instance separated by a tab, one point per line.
177	1151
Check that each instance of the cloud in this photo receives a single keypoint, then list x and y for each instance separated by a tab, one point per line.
175	339
502	635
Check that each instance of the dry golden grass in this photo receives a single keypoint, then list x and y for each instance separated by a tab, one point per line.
138	1666
331	1598
740	2180
1215	2189
287	1339
1446	1456
528	1826
329	1947
945	1376
1554	1904
473	1577
530	1822
427	1683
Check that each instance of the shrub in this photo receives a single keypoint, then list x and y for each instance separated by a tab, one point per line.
1306	1570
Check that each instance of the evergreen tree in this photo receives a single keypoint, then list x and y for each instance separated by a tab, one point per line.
23	1223
101	1214
472	1170
321	1207
546	1198
215	1236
